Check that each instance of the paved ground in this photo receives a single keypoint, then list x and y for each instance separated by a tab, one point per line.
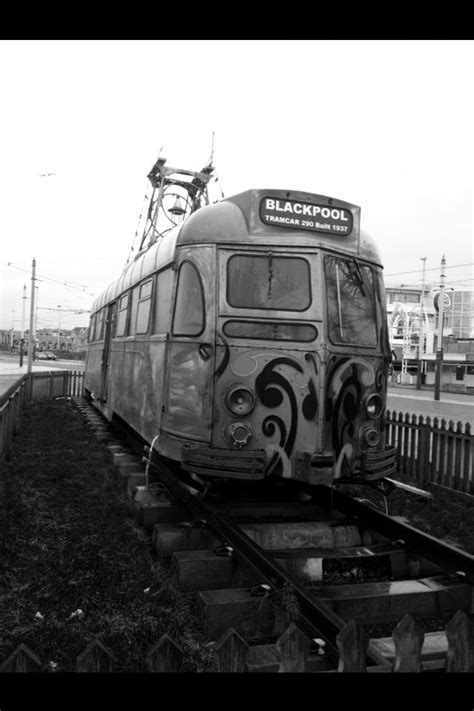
10	370
450	406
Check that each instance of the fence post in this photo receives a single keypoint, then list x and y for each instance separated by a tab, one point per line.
408	638
231	652
352	642
165	656
21	660
94	658
293	649
423	473
460	636
468	462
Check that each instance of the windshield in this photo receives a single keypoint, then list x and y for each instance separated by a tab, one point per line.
350	302
268	282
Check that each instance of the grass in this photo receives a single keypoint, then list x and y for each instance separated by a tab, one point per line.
73	566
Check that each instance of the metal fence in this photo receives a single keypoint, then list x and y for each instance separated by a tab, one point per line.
29	388
432	450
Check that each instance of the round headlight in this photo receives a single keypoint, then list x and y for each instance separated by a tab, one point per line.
240	401
374	406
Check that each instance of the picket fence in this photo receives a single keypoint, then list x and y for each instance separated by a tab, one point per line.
29	388
433	452
292	652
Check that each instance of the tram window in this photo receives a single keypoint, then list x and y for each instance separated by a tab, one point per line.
92	328
122	316
189	306
164	288
144	306
268	282
350	302
100	325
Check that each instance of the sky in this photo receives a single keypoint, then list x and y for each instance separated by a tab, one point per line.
384	124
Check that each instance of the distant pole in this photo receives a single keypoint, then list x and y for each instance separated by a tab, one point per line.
439	341
22	339
421	333
13	327
59	326
32	316
36	311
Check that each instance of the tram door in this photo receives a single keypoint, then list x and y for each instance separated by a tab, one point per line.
109	329
191	350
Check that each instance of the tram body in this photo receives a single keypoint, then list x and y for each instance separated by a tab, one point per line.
251	342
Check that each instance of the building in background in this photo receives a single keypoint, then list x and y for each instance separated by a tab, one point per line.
413	332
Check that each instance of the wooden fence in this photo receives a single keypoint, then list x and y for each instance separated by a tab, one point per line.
433	451
292	652
31	387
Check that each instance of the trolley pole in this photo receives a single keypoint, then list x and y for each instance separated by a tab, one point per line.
439	341
32	316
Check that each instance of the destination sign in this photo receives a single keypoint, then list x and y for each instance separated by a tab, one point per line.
305	216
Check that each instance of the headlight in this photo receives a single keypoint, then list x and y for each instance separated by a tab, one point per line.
240	401
373	406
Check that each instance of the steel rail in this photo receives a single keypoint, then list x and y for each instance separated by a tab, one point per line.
316	618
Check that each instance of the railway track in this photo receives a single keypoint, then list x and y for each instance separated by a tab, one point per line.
312	555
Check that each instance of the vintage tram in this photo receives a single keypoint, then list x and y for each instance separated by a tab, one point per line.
250	340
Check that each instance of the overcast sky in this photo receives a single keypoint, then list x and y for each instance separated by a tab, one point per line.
387	125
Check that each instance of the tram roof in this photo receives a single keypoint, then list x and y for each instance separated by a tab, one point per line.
263	217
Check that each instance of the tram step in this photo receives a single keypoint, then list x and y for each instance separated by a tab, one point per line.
381	602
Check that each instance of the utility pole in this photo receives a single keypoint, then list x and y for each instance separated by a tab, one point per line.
32	316
59	326
22	339
13	328
439	340
421	332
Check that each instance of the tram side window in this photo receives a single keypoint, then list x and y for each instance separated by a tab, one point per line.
350	302
164	289
92	328
99	335
189	306
121	328
144	307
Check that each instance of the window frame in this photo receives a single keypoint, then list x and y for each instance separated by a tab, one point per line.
127	316
176	296
275	256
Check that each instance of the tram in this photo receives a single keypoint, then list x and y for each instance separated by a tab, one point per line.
249	339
